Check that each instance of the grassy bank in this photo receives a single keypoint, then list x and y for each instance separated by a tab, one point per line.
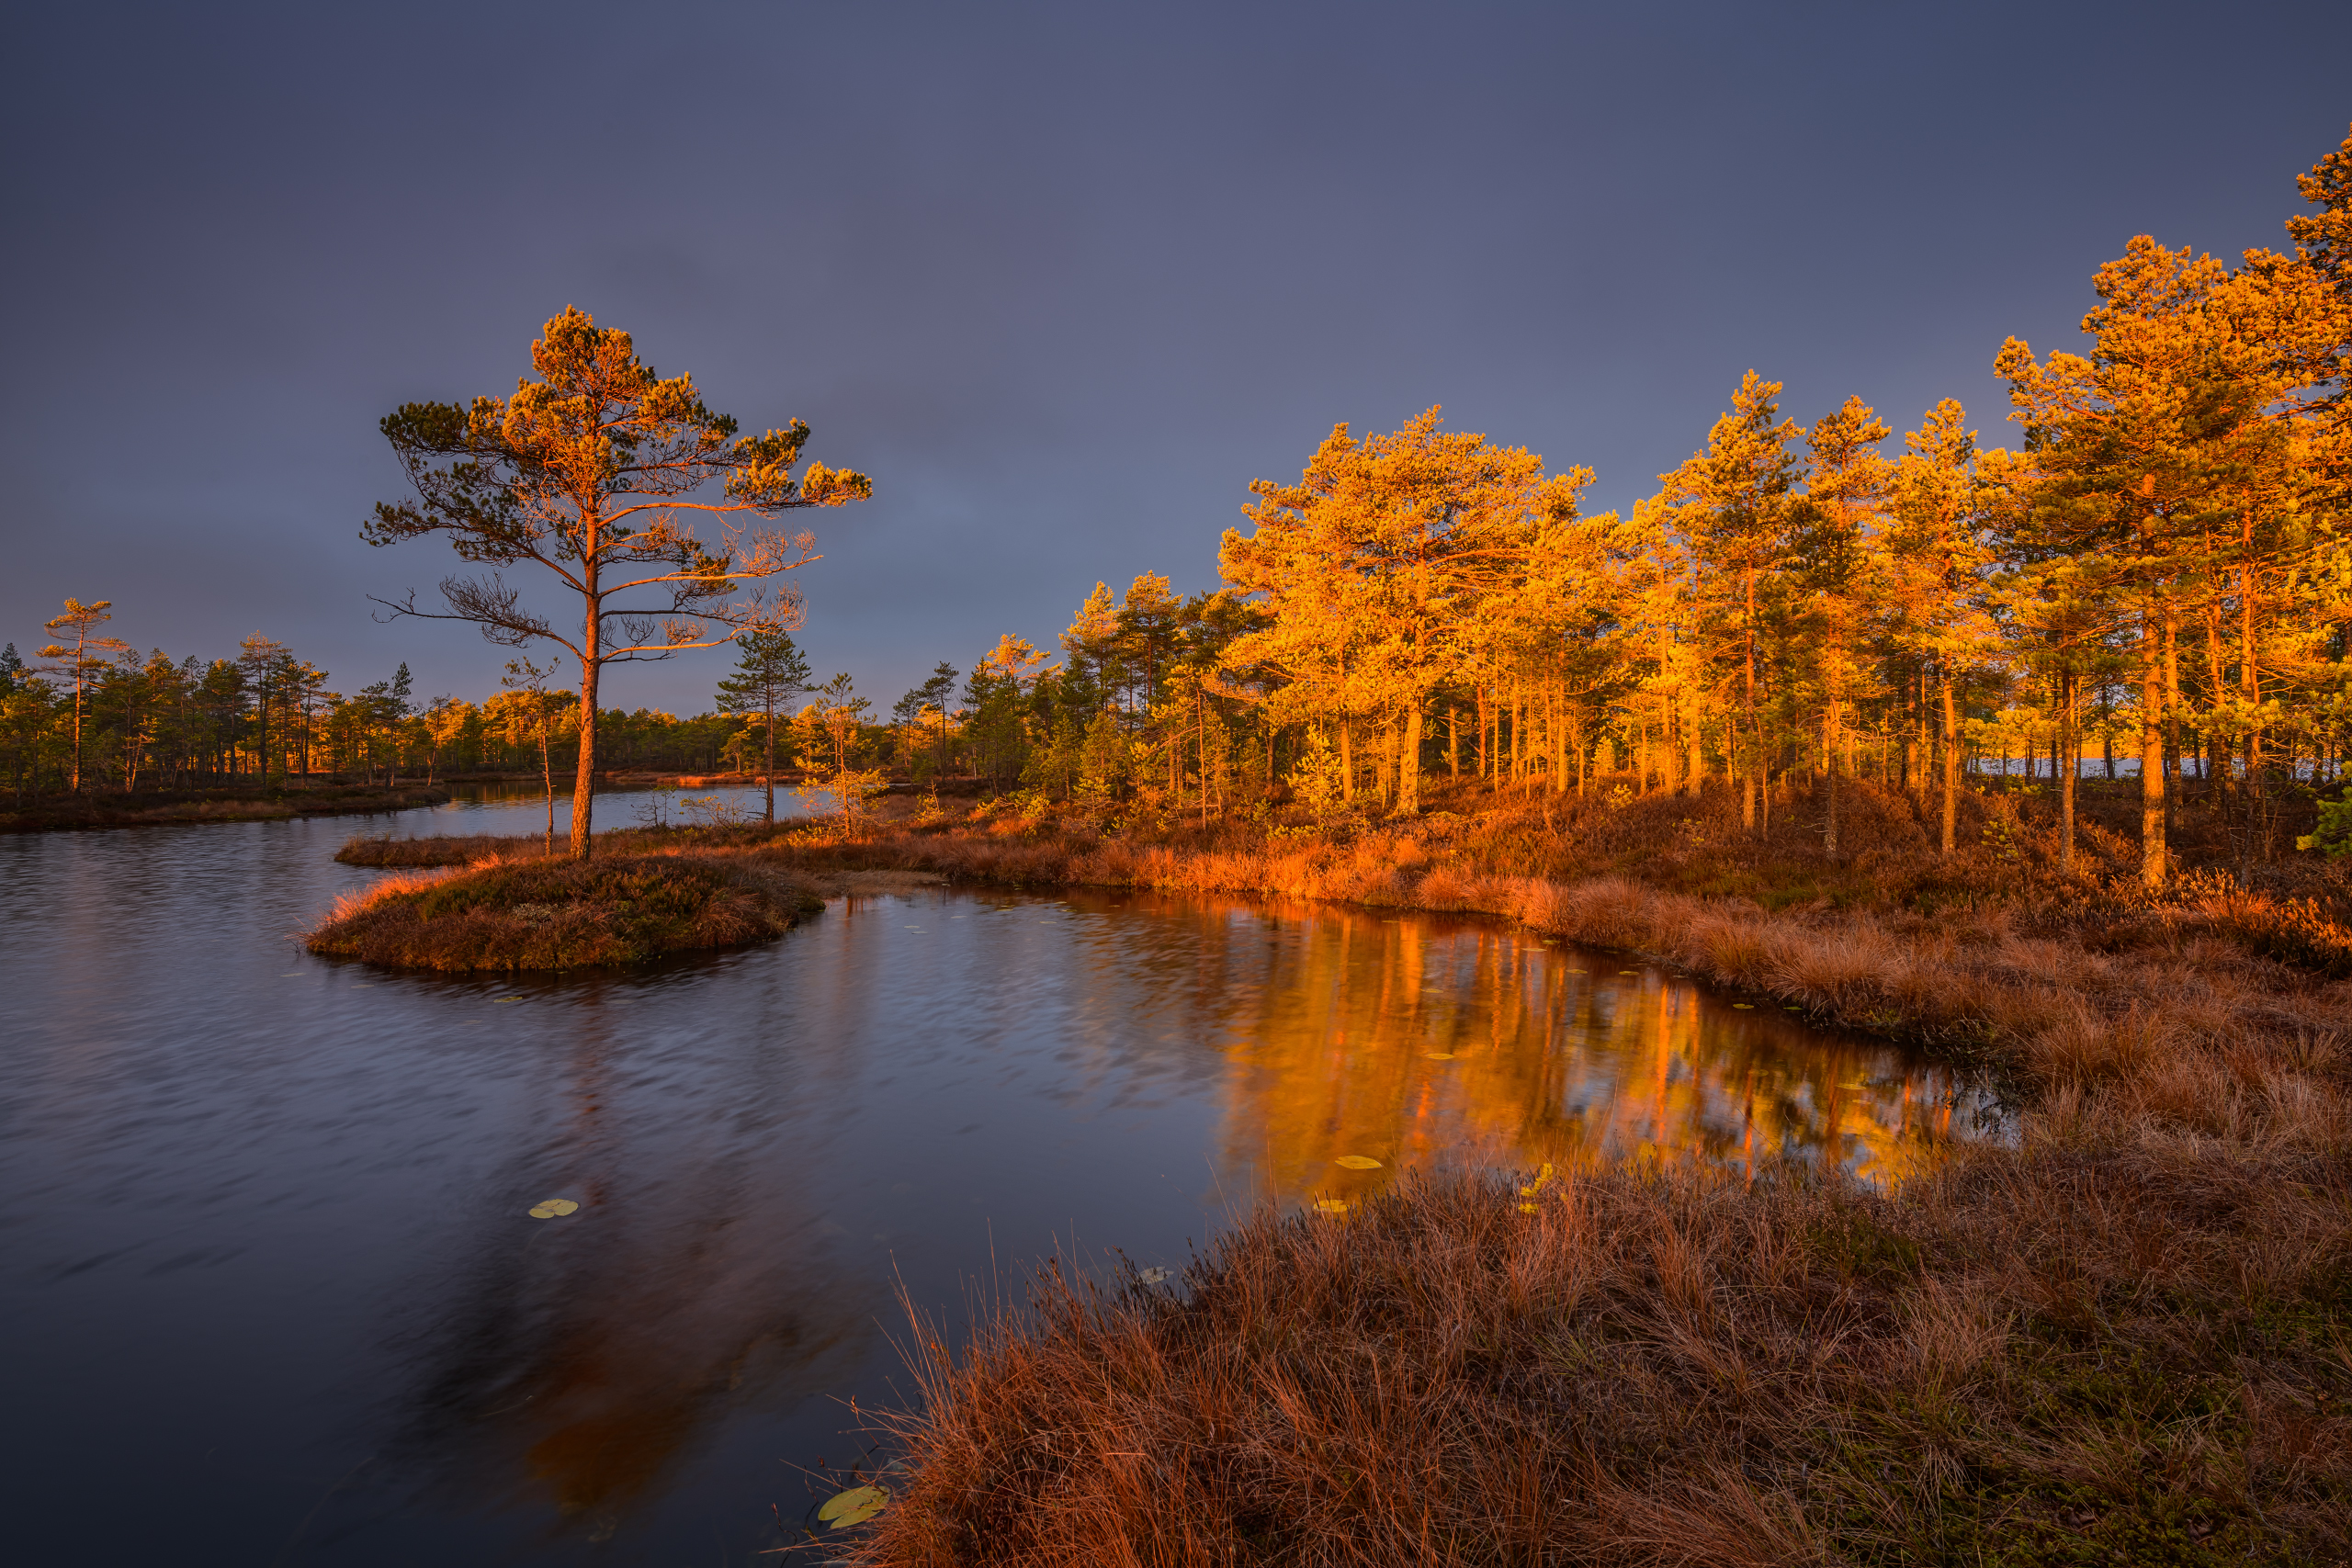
2112	1347
257	804
2127	1339
553	914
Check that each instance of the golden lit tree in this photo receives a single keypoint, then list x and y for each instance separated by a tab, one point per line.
1385	551
1733	506
594	472
1836	575
80	660
1937	555
2147	457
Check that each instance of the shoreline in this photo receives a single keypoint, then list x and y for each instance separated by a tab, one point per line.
1794	1371
175	807
2121	1337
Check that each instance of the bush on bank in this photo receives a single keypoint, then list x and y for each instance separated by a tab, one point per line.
550	914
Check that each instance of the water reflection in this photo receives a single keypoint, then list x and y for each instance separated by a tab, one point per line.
1423	1040
269	1252
582	1358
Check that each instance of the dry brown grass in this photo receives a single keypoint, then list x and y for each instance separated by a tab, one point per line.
2127	1339
1671	1368
515	915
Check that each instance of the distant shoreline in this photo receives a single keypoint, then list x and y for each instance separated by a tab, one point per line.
251	804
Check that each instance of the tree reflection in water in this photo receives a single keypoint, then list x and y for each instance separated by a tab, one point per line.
583	1356
1425	1040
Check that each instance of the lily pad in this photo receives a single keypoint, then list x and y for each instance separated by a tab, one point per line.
551	1208
1745	1007
854	1506
1437	1055
1358	1162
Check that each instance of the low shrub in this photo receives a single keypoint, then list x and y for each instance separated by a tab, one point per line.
514	914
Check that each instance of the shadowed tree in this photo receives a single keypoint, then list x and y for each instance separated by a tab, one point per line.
80	660
934	695
530	678
769	672
593	472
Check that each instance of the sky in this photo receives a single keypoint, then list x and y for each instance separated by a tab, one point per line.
1062	279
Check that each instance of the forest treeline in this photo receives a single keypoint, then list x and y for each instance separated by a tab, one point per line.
96	715
2153	583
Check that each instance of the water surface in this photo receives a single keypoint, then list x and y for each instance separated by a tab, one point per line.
273	1298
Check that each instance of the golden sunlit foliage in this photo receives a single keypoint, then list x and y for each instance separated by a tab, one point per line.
594	472
2159	576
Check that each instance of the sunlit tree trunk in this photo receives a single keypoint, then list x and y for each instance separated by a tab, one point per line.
592	665
1408	763
1951	768
2066	749
2152	753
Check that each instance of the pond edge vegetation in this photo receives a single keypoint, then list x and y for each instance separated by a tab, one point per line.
2130	1335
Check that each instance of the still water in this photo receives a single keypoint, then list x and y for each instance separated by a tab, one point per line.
271	1296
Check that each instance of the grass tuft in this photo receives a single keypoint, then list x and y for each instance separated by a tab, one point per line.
1673	1367
515	915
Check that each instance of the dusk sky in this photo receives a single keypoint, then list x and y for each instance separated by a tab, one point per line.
1063	280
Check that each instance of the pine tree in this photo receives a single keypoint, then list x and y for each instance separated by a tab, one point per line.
587	472
770	670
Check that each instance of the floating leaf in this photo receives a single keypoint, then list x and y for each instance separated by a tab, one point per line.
1154	1276
1358	1162
1437	1055
1745	1007
549	1208
854	1506
1336	1207
1793	1008
1628	971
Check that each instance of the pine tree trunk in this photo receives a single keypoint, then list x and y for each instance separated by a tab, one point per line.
1408	764
1952	769
2153	811
2065	748
584	787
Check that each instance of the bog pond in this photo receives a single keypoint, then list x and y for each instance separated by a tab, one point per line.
273	1294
